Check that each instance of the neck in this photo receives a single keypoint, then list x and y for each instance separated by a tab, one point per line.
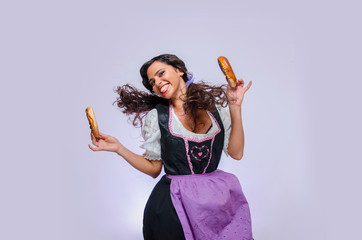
178	101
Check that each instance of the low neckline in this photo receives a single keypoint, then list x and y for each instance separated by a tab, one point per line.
190	132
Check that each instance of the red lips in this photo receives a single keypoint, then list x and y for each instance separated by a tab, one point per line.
163	93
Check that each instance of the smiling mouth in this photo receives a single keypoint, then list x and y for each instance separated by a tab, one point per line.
164	88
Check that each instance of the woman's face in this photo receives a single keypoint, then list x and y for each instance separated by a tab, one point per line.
166	81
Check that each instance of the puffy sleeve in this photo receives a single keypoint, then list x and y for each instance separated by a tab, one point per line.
152	135
226	121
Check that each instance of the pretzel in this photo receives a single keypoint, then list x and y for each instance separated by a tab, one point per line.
92	121
227	70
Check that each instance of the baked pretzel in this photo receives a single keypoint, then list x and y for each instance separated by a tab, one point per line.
92	121
227	70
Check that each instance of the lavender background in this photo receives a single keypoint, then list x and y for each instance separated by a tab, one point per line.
301	169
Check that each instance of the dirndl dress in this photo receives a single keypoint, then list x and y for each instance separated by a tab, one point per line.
194	200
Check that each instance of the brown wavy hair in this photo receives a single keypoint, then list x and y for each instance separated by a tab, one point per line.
199	96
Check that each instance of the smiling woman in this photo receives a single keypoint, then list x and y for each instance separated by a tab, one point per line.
162	69
186	129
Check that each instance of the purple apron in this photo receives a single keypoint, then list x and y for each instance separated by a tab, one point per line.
211	206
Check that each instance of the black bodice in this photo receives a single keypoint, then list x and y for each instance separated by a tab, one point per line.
181	155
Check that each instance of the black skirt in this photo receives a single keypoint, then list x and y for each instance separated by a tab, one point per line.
160	220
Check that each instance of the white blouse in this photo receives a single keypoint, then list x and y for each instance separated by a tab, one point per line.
152	134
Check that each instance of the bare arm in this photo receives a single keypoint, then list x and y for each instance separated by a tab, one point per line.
236	139
111	144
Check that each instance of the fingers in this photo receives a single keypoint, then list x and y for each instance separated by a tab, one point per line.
240	82
95	141
93	148
248	86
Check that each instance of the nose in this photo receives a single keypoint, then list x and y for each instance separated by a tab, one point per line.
158	81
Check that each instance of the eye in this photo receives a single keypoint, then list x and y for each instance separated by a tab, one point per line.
152	82
161	73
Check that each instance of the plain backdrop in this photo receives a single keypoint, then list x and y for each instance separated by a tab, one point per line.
302	115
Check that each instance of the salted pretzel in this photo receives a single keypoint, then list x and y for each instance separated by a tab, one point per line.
227	70
92	121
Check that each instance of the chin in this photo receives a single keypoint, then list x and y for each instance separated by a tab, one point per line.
166	96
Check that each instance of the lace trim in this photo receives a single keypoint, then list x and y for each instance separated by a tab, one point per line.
150	157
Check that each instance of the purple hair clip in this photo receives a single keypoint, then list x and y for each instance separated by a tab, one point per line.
191	80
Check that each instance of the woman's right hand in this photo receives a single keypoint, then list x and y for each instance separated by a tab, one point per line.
105	143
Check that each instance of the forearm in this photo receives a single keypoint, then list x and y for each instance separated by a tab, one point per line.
151	168
236	139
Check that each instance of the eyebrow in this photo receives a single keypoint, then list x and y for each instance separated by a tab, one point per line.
156	73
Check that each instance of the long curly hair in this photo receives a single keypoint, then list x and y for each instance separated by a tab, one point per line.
199	96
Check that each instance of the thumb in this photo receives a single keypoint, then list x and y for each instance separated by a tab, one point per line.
248	86
102	135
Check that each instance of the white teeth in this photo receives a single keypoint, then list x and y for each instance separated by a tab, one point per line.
164	88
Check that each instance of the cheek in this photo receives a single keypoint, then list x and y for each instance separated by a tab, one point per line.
155	89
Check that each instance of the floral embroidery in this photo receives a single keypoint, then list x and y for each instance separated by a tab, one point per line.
200	153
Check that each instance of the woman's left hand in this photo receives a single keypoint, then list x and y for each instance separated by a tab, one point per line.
235	95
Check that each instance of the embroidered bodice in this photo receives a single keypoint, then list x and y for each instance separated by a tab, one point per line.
152	134
182	151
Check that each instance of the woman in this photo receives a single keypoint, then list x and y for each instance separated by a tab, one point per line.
185	130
